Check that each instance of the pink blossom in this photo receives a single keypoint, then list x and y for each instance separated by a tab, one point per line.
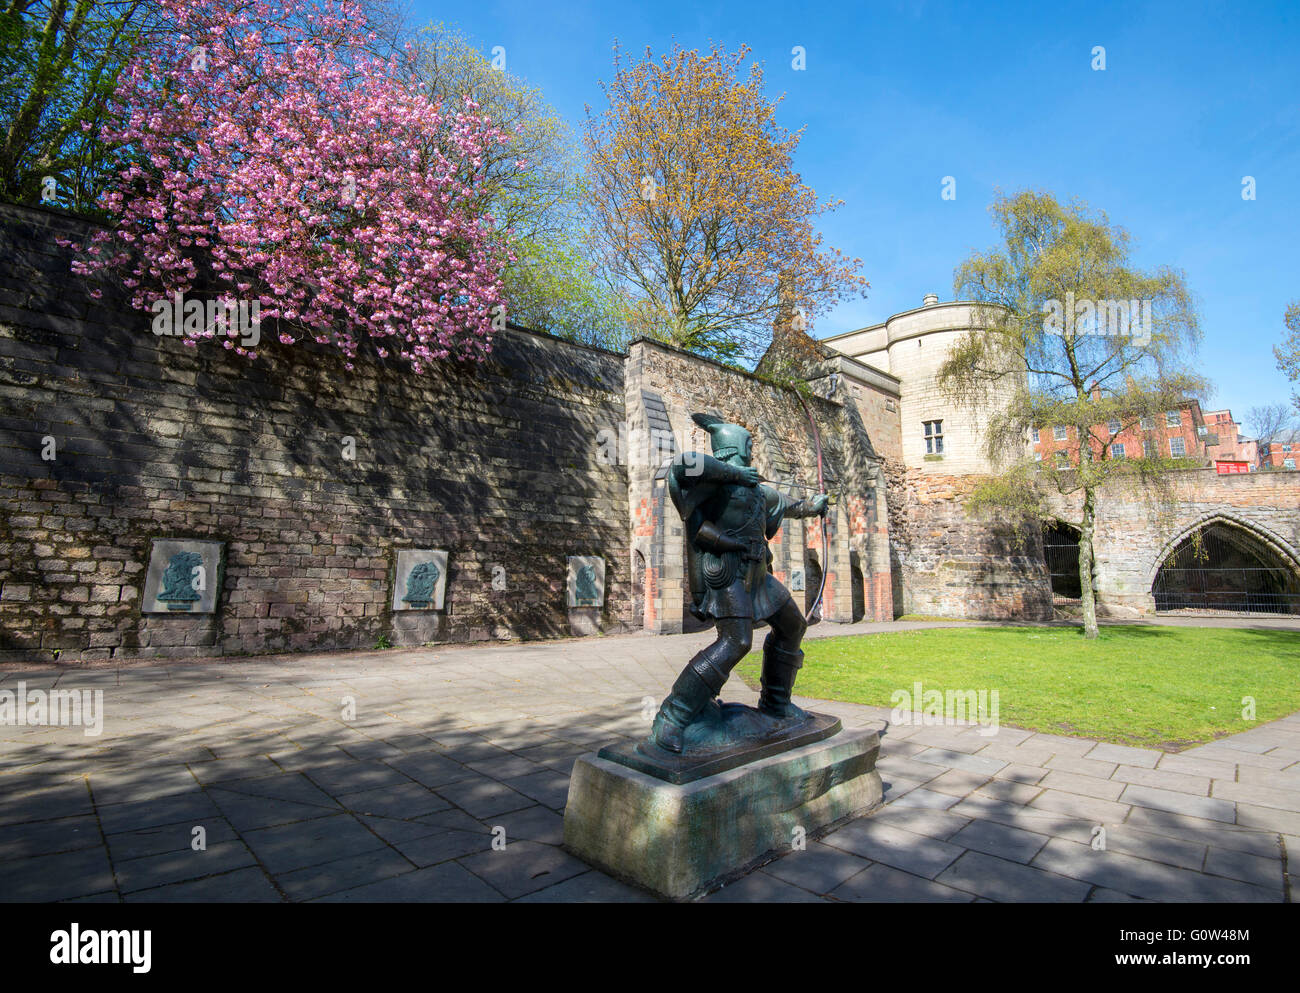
312	176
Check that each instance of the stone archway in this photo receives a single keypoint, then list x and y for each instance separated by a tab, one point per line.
1225	564
1061	553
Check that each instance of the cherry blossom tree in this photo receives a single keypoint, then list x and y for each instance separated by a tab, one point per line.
280	156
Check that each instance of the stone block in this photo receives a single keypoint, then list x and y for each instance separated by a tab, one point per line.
680	840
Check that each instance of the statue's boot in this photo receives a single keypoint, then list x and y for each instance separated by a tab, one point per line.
780	666
699	683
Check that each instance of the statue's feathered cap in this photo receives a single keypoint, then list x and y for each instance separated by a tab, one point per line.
727	439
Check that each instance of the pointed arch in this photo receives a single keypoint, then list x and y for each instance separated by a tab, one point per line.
1257	531
1235	565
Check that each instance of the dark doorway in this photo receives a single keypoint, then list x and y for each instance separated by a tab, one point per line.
859	584
1226	569
1061	552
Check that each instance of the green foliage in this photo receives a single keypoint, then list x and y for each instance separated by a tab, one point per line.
1288	353
382	643
59	63
554	284
1137	685
553	287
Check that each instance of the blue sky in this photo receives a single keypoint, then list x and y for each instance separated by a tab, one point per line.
898	95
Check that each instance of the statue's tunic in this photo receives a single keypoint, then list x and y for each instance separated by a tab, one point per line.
730	583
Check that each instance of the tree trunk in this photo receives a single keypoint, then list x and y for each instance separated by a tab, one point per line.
1087	592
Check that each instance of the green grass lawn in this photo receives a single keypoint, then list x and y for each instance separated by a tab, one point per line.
1154	686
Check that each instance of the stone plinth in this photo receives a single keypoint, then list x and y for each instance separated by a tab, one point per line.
681	840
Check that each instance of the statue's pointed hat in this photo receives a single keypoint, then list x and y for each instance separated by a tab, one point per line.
727	439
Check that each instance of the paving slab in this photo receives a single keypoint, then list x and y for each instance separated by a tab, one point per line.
58	877
1145	758
932	823
1005	881
445	845
1013	844
893	846
1078	805
324	839
1257	795
239	886
1262	871
446	883
818	868
1206	808
923	796
178	867
1163	779
342	874
1237	838
1073	782
522	867
883	884
1143	878
33	838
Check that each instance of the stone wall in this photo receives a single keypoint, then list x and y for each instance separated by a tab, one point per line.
494	463
951	562
664	386
1136	531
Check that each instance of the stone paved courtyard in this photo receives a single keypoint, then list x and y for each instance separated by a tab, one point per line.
450	745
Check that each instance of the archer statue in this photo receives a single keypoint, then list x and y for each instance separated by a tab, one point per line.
729	518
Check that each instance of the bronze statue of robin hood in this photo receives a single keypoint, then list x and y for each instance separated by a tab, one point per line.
729	517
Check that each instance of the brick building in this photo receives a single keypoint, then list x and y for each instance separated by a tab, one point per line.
1180	433
1278	454
1224	441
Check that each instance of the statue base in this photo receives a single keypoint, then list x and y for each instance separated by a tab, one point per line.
682	839
724	736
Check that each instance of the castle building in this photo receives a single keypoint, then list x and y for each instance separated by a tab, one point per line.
948	562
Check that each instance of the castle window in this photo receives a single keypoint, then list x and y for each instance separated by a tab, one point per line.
1113	426
933	437
1060	433
1148	424
1149	449
1173	419
1177	447
1117	451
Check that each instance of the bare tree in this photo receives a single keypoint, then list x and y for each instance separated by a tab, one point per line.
1272	422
